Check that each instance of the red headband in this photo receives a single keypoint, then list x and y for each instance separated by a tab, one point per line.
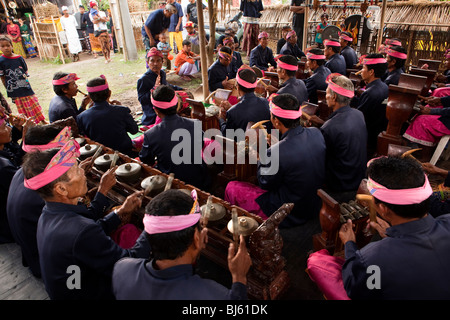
263	35
396	54
290	34
282	113
65	80
154	52
339	90
164	104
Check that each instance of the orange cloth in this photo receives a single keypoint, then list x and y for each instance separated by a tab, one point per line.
182	58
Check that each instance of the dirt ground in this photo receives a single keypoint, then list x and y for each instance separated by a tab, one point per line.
121	75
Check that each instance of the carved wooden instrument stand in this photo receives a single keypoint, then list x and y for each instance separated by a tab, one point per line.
400	104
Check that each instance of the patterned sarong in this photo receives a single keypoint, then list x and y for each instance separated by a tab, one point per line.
95	44
30	107
250	38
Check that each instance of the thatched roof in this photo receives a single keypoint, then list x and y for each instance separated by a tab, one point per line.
420	15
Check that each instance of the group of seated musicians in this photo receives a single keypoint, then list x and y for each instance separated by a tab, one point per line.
329	153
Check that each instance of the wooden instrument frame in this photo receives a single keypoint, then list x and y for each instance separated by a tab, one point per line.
267	278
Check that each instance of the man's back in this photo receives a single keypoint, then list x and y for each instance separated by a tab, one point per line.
175	283
301	155
413	262
183	158
108	125
250	109
346	140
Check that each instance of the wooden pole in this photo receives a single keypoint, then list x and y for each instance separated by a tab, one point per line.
305	26
59	43
37	36
202	40
380	32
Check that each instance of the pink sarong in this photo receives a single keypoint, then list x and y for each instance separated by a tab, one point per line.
244	194
126	236
427	129
326	271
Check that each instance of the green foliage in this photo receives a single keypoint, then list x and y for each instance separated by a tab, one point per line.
102	5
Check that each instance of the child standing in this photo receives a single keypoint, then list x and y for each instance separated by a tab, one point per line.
193	37
322	25
165	48
14	73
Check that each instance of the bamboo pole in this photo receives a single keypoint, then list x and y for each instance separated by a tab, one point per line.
305	27
38	38
202	39
380	32
59	42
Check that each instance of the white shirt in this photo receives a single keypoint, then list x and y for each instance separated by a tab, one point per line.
101	25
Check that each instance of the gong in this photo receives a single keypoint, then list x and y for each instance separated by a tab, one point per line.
246	226
330	32
353	24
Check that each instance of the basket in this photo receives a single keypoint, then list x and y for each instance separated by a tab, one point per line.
45	10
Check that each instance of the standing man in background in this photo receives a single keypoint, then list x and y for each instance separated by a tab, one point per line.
298	20
251	10
175	27
81	28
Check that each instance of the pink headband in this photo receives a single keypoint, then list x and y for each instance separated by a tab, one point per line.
224	55
263	35
346	37
227	40
2	120
382	48
290	34
331	43
245	83
400	196
154	52
65	80
164	104
60	164
279	112
397	54
312	56
339	90
163	224
284	65
60	140
392	42
374	60
98	88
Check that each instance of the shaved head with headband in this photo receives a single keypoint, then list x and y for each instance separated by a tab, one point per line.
401	184
286	109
